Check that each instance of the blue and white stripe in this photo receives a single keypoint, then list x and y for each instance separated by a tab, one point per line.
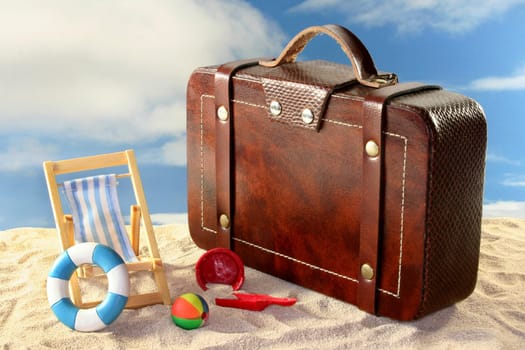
96	213
93	319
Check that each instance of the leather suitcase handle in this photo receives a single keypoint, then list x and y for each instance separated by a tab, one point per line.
362	63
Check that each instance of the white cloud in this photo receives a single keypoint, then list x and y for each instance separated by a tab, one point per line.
24	152
314	5
411	16
495	158
515	81
514	180
174	153
513	209
170	153
116	71
169	218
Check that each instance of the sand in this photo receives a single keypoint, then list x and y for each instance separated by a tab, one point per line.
493	317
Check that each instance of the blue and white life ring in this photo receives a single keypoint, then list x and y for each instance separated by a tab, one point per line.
96	318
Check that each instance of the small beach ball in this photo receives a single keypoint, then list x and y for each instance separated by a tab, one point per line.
189	311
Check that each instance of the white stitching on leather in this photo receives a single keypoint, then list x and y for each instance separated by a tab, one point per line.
342	123
402	218
309	127
336	122
249	104
296	260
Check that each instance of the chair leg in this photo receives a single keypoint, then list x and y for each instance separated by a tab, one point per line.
74	289
162	285
158	269
135	228
70	231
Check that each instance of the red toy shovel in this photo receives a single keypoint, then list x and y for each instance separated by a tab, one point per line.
254	302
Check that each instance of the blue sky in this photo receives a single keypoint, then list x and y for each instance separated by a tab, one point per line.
87	77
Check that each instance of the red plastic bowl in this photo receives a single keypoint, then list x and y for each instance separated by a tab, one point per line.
220	265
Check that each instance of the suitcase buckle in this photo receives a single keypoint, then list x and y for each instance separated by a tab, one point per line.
381	80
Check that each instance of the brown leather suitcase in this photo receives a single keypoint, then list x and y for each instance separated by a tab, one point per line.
338	178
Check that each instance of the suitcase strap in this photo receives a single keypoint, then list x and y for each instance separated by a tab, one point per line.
223	151
374	110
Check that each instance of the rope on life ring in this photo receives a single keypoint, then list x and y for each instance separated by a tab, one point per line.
96	318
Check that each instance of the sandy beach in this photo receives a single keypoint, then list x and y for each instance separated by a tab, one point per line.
493	317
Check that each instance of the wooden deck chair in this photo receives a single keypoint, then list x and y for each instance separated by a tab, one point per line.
95	216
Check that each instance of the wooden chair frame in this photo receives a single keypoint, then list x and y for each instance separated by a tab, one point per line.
139	213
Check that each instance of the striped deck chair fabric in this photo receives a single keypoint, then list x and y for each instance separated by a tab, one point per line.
96	213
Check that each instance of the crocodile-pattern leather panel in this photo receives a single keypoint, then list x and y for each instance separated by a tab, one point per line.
455	201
